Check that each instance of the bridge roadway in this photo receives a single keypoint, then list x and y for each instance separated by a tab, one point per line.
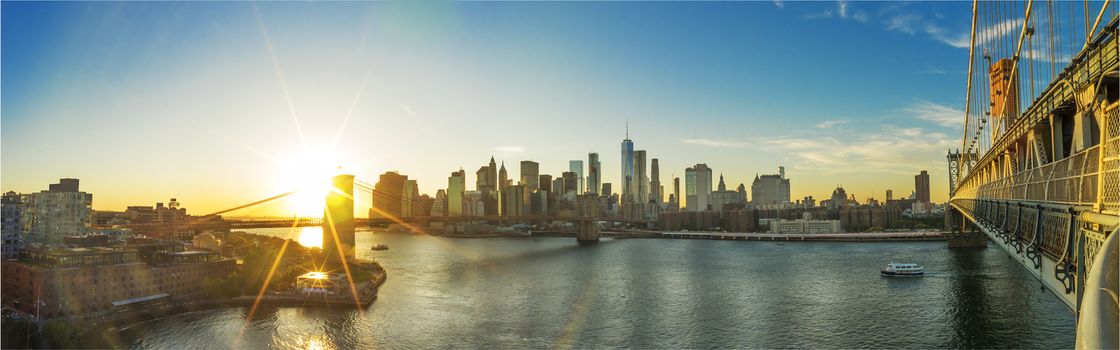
1048	190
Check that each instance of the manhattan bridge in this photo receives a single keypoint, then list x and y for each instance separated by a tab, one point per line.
1038	171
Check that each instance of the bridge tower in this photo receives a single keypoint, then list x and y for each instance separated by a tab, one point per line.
338	221
587	206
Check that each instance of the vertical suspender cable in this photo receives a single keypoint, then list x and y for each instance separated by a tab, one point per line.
968	88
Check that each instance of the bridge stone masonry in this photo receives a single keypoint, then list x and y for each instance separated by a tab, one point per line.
1044	184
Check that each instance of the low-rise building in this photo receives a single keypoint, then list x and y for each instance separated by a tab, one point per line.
62	282
804	226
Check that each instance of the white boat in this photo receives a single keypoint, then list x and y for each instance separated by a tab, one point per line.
902	269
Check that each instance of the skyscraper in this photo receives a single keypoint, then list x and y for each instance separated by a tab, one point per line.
480	183
503	177
627	163
641	178
677	191
593	169
576	166
408	194
387	195
890	195
655	182
698	187
571	183
921	187
546	183
530	175
492	175
456	185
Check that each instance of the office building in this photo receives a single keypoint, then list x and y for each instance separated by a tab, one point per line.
473	204
606	189
515	201
456	186
576	166
770	189
546	183
491	177
742	193
594	176
698	187
677	191
571	183
921	187
439	204
641	177
890	195
655	182
387	196
409	193
530	174
627	163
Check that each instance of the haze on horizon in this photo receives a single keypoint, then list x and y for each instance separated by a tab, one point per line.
218	104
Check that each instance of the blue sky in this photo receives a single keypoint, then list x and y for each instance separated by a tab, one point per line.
201	101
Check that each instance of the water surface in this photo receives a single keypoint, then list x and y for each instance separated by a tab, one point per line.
653	293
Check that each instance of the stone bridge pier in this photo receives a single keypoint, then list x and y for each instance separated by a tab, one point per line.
962	233
587	208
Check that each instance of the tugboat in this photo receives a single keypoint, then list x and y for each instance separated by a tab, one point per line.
902	270
379	247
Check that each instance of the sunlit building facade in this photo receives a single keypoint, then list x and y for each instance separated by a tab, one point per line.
698	187
576	166
456	185
61	210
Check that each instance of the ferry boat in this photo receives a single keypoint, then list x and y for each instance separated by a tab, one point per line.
902	269
379	247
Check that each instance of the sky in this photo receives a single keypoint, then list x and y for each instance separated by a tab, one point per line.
222	103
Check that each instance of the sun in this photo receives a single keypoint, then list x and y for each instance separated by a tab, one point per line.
308	173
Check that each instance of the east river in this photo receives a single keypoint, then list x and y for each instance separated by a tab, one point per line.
651	293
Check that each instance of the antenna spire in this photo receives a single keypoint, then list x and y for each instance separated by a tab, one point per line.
627	128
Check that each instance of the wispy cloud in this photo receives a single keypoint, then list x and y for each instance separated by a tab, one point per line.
904	23
779	3
959	40
843	11
818	15
891	149
714	143
510	149
828	124
940	114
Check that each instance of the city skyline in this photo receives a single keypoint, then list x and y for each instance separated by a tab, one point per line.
285	110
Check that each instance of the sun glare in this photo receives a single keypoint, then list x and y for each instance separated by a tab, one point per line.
310	174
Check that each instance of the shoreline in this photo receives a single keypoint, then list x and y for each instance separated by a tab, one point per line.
122	322
761	237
